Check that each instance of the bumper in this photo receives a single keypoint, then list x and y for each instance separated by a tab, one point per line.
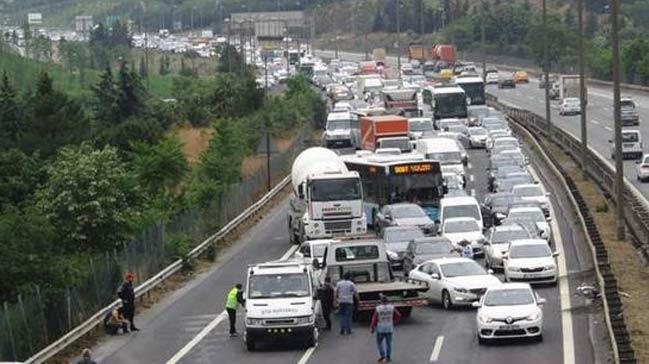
278	332
571	111
330	228
463	299
546	276
630	121
643	174
501	330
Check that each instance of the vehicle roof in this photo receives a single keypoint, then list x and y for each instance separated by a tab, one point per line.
442	261
522	185
528	242
524	209
432	239
458	200
468	79
401	204
450	89
438	143
508	227
319	241
403	228
459	219
277	267
345	115
420	119
510	285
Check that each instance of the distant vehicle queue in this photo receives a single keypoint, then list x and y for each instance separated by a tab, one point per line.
383	204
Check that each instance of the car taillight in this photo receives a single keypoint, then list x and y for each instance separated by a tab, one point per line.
645	166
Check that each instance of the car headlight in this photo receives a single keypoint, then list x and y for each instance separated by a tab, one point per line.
484	318
533	317
254	322
460	290
549	267
392	255
514	269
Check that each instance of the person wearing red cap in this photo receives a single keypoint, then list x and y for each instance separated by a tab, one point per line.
127	294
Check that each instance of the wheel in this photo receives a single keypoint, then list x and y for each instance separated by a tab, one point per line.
250	344
505	275
446	300
312	340
539	338
481	341
405	311
487	265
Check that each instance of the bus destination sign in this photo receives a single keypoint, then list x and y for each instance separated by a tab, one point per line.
412	168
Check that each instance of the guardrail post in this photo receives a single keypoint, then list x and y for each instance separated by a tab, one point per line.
68	303
11	334
24	318
42	311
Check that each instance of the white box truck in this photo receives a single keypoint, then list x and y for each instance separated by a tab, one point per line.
569	87
281	304
327	198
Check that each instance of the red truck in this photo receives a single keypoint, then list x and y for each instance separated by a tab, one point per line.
444	52
387	131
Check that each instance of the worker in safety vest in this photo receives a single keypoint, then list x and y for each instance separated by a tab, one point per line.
234	298
384	318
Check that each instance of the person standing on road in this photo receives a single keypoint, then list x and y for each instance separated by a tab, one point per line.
345	293
384	318
127	294
326	295
232	301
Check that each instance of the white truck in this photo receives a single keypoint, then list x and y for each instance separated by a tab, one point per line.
327	198
568	87
281	304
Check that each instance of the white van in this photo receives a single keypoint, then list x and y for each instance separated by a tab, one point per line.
460	206
444	150
280	304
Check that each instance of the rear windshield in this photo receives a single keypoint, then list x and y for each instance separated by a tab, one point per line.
359	252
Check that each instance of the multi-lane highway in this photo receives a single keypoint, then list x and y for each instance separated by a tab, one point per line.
188	325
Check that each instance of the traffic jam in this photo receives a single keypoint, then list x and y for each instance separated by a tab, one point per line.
421	196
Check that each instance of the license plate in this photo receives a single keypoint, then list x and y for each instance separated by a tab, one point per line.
628	145
530	275
509	327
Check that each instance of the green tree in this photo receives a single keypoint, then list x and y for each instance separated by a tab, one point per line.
131	94
230	59
144	69
90	198
20	175
10	123
221	162
105	105
161	166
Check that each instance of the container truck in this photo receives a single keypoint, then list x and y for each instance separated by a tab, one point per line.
444	52
327	198
375	128
401	102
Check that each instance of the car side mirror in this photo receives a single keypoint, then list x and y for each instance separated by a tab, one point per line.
540	301
555	254
476	304
434	275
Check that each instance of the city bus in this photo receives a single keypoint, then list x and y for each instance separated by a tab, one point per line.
446	101
473	86
393	178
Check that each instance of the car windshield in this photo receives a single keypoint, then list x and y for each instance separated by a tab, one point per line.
534	215
446	157
278	285
502	200
439	247
477	131
529	191
503	236
338	124
400	235
335	189
630	137
627	104
318	250
509	297
461	269
454	128
401	144
529	251
420	125
461	211
407	211
464	226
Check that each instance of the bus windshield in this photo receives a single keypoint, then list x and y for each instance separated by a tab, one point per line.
335	189
450	106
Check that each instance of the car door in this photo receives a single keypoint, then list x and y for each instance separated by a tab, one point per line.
436	285
422	274
408	257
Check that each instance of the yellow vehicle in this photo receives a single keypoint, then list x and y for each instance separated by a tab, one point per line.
521	76
446	74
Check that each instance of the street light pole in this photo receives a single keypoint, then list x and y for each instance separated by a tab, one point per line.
482	42
582	88
619	167
398	37
546	69
227	22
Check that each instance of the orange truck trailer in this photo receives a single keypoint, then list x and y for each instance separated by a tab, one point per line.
374	128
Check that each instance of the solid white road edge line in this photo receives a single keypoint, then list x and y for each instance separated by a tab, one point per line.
564	287
307	355
471	178
201	335
214	323
437	349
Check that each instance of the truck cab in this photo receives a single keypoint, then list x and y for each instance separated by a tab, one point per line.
280	304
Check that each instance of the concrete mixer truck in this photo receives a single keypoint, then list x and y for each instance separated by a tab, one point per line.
327	198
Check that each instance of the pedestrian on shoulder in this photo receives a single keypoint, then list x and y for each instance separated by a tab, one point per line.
326	296
345	293
232	301
127	294
384	318
86	357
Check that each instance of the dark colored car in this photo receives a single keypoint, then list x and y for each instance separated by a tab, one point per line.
423	249
396	240
495	207
507	82
403	214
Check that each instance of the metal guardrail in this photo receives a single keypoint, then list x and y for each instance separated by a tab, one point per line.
79	331
618	334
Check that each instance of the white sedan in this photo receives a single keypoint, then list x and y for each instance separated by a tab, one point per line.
536	215
512	310
458	229
454	281
642	169
498	243
530	260
534	192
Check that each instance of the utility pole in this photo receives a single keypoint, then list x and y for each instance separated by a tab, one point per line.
268	187
482	41
421	17
398	2
619	167
227	22
583	92
288	63
546	69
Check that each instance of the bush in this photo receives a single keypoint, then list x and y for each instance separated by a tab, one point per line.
178	246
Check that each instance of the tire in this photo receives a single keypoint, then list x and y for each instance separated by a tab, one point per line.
505	275
250	344
482	341
312	340
539	338
405	311
447	303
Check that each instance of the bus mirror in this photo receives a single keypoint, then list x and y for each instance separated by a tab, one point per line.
300	191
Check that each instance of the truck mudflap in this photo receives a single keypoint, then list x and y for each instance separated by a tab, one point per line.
405	302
